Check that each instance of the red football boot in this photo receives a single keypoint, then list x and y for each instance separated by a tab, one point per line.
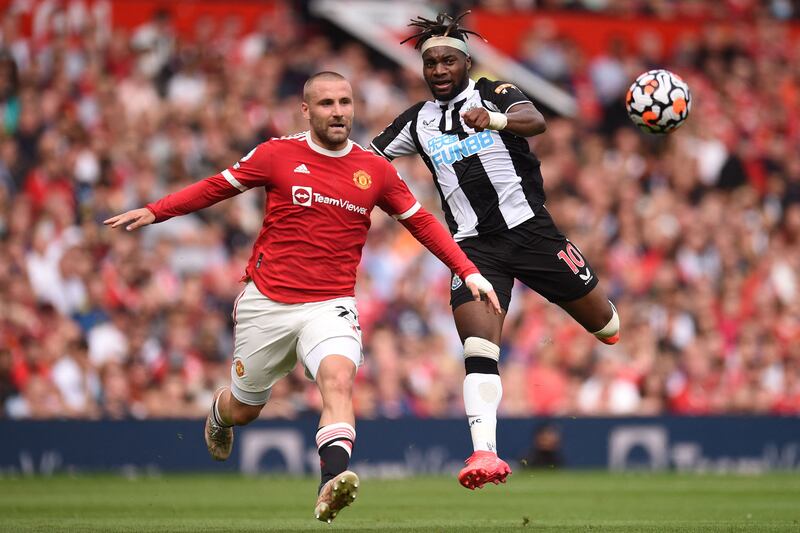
483	467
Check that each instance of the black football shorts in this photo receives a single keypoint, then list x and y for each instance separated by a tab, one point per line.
536	253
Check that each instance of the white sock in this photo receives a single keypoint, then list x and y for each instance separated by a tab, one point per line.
482	394
215	414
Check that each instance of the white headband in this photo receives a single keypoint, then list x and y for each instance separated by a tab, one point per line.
452	42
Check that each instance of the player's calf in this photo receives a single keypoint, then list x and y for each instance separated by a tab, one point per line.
218	434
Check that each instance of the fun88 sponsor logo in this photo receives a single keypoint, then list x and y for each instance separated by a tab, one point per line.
447	149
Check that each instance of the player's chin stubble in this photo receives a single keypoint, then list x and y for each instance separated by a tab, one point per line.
326	135
336	137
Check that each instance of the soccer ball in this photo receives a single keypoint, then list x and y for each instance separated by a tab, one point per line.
658	101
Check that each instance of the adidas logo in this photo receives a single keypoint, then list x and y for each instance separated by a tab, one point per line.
301	169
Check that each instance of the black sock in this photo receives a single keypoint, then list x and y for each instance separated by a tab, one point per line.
481	365
333	460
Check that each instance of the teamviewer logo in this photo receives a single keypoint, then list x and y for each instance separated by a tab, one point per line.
301	195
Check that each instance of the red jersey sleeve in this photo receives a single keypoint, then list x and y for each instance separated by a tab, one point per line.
192	198
252	170
396	199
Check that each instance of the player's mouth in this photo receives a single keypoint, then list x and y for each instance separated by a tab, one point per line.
338	127
442	86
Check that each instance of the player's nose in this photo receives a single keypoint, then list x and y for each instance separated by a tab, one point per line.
440	69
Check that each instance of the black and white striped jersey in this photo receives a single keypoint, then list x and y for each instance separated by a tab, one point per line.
488	181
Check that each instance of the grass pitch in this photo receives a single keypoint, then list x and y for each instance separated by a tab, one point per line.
530	502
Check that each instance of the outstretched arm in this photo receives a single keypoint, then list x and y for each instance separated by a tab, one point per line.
428	231
253	170
188	200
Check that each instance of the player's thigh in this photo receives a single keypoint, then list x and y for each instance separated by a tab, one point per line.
489	255
265	338
331	328
545	260
476	319
591	311
555	268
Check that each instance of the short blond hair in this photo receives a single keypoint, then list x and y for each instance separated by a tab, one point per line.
326	75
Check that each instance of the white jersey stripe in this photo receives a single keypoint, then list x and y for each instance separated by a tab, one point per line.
514	205
403	143
464	213
233	181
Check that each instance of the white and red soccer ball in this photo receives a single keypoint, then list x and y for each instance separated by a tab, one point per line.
658	101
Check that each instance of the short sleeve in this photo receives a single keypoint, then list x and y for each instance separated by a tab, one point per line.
502	94
396	198
397	139
252	170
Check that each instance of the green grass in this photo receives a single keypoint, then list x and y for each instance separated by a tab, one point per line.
530	502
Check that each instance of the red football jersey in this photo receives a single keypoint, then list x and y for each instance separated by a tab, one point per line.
317	215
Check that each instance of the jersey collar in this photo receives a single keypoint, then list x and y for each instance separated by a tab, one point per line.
460	96
324	151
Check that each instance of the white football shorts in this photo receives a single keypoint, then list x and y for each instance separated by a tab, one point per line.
270	337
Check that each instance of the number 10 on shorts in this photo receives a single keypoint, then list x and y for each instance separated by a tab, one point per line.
572	257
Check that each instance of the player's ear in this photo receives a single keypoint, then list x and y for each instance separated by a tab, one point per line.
468	63
304	110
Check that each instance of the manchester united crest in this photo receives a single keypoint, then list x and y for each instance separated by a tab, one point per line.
362	180
239	366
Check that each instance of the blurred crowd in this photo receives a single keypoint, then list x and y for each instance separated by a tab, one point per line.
664	9
696	235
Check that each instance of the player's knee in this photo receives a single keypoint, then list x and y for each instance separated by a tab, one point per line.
609	334
481	356
340	384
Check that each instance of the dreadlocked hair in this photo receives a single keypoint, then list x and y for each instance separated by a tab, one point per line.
443	26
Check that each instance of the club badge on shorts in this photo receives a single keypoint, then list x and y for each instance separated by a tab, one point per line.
362	180
456	282
239	366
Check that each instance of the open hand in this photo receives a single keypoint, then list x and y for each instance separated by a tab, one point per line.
134	219
478	285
